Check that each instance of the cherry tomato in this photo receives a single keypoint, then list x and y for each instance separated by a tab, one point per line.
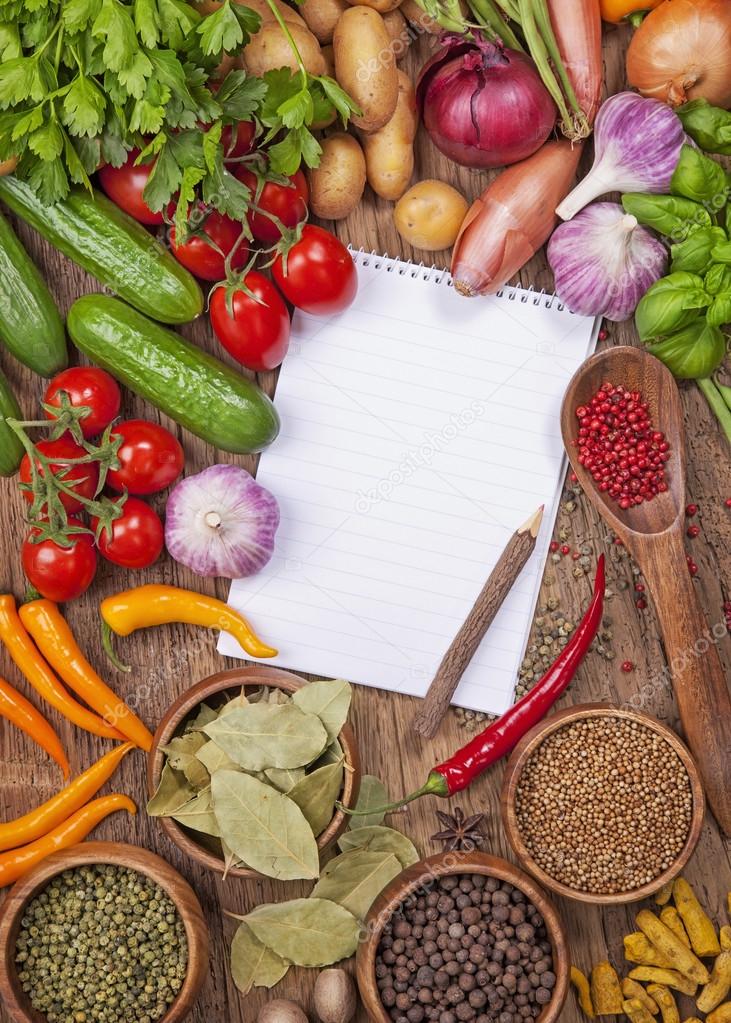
82	478
150	457
124	185
60	573
239	142
90	387
321	278
257	334
137	536
287	202
204	254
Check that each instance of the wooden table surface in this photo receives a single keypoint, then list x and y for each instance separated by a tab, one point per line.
168	660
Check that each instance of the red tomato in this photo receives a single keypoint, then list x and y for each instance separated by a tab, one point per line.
239	144
90	387
257	334
137	536
287	202
60	573
204	254
150	457
82	479
124	185
321	277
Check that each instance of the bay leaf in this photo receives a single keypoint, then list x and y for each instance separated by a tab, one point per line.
252	963
372	793
316	793
204	717
240	700
354	879
198	814
284	778
307	932
329	700
230	859
259	736
182	748
377	838
213	758
277	697
332	755
263	827
172	792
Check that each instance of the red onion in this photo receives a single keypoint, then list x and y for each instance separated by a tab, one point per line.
484	105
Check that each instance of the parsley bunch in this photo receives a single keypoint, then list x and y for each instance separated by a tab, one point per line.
83	81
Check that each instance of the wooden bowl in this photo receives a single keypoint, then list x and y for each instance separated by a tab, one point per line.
210	689
530	742
421	876
12	995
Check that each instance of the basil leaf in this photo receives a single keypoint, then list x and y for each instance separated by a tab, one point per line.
718	279
719	312
694	352
694	254
699	178
307	932
670	304
722	253
252	963
707	125
261	735
355	879
669	215
379	839
264	828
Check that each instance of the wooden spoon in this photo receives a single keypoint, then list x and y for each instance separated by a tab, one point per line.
653	534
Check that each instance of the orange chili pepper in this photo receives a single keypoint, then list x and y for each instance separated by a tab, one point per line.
56	642
618	11
59	808
26	657
17	862
22	713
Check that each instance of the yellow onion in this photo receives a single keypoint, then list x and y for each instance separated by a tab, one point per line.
682	51
512	219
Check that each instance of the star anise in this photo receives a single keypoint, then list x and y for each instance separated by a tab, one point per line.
460	832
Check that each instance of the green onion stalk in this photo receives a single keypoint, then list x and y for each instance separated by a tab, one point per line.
718	397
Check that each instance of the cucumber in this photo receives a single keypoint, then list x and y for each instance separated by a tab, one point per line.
30	325
11	450
210	399
118	251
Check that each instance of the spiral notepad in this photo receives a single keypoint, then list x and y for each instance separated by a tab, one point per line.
419	430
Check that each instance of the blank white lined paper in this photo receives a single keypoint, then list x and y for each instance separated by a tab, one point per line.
419	430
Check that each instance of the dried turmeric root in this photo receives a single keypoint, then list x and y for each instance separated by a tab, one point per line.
718	986
671	918
638	949
583	994
606	993
699	926
636	1012
670	978
671	947
633	991
665	1000
720	1015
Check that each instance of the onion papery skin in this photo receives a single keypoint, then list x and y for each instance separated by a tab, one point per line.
484	106
682	51
637	144
221	523
603	262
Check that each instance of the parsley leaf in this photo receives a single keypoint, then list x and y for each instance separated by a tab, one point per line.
177	22
114	25
83	107
240	95
147	22
47	141
227	29
76	14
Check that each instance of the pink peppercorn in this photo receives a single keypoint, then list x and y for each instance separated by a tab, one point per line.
553	547
627	666
565	549
641	604
693	531
691	510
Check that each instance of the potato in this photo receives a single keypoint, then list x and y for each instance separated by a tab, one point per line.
389	152
8	166
429	216
365	66
270	49
336	186
398	32
382	6
322	16
328	55
419	18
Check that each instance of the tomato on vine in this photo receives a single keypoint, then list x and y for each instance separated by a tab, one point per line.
317	274
124	185
286	202
59	573
85	387
204	252
256	330
135	539
81	478
150	457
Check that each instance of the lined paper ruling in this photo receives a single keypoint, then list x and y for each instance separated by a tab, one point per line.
419	430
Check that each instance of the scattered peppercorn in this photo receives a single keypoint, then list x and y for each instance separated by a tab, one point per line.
565	549
470	949
639	587
604	804
727	502
603	334
101	944
620	448
693	531
641	604
627	667
691	510
553	546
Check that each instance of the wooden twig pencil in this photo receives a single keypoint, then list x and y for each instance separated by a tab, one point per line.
509	566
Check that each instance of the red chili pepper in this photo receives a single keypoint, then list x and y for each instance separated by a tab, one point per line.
500	737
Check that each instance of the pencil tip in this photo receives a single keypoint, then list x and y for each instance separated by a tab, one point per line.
534	523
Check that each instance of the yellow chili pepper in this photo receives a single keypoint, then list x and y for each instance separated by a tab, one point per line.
27	659
56	642
150	605
23	714
17	862
626	10
55	811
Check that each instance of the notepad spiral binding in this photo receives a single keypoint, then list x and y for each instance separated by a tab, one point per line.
441	275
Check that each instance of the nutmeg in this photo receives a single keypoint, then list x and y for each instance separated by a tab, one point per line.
335	998
280	1010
